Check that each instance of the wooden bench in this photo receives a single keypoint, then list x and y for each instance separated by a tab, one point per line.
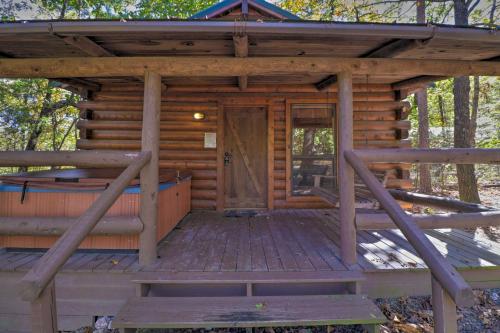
248	311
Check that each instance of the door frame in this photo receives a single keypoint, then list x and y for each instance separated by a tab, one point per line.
220	185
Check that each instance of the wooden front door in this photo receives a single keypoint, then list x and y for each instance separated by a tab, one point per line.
245	157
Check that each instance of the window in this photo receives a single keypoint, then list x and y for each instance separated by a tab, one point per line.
313	148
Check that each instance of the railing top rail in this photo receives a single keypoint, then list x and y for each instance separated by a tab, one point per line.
36	280
80	158
431	155
440	268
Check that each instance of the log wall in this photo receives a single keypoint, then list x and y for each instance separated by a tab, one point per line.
112	120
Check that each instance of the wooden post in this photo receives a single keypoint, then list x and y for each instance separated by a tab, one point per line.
43	311
346	173
150	173
445	310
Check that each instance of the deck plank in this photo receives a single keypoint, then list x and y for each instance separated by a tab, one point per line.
328	251
230	256
219	312
303	261
259	262
285	250
244	263
271	253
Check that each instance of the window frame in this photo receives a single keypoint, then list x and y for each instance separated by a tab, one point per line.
288	145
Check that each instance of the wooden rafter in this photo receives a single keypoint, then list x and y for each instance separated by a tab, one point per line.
241	51
326	82
88	46
223	66
81	84
416	83
395	48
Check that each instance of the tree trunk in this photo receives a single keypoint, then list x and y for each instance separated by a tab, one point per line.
425	184
423	140
467	183
473	115
421	11
308	148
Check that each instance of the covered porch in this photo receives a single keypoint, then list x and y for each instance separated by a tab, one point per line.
292	240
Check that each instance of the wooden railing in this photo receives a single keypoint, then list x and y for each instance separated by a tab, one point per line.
448	287
37	286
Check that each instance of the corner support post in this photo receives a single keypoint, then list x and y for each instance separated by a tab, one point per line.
43	311
148	211
346	172
444	309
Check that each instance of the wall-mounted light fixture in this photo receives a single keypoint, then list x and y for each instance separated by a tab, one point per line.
198	116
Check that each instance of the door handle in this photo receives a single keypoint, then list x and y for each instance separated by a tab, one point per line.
227	158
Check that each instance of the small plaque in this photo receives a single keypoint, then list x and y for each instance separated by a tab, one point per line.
210	140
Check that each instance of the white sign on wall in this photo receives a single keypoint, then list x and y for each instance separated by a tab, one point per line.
210	140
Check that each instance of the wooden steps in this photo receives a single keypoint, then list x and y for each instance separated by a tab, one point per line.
186	284
245	311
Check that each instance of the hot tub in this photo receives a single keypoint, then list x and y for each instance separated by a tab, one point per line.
69	192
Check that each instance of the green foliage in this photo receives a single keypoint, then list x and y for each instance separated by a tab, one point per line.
165	9
22	106
93	9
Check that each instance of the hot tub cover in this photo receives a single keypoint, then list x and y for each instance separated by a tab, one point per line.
87	179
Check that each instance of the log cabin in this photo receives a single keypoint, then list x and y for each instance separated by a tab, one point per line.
232	170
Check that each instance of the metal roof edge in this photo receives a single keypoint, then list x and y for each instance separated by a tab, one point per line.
315	28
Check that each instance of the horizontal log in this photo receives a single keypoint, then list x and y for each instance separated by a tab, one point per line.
438	155
84	159
203	194
135	144
231	97
136	135
223	66
203	184
168	116
55	226
203	204
204	174
439	202
191	165
137	106
255	88
137	125
380	221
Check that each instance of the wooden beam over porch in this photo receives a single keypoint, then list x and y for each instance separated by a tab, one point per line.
223	66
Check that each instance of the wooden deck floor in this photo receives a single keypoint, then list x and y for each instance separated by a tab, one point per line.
282	240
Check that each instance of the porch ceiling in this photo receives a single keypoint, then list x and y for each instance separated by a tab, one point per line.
56	39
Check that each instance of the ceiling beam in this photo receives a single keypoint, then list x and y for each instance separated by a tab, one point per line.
241	51
87	46
396	48
416	83
326	82
79	83
251	66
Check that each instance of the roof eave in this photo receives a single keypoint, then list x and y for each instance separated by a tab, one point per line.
324	29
